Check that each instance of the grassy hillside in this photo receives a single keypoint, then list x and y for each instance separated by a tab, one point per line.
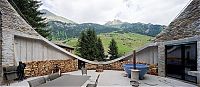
126	42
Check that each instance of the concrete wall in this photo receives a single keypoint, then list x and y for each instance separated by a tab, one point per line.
27	50
148	55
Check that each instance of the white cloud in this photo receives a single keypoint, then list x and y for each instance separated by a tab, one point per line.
101	11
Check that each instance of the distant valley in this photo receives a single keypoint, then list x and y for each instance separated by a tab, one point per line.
63	28
66	30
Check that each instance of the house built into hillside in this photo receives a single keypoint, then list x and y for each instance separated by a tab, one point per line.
176	50
20	42
179	45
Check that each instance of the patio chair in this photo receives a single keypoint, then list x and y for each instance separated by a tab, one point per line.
36	82
96	82
84	71
53	76
10	74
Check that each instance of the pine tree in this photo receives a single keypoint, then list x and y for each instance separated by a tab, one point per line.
28	9
113	49
86	47
100	50
81	45
91	44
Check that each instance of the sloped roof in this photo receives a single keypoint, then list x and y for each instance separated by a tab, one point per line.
187	24
61	44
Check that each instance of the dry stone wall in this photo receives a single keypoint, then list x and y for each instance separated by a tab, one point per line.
113	66
12	24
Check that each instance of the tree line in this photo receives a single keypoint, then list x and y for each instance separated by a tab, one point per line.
90	47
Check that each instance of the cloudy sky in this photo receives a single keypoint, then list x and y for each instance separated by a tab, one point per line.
102	11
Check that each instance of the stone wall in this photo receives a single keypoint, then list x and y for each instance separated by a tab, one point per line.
40	68
12	24
187	24
113	66
161	59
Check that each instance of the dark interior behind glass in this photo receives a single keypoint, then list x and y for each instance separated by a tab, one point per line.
181	58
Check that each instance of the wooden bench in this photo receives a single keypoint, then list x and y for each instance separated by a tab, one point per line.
10	74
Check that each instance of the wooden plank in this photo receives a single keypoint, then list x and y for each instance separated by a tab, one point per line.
29	50
17	50
23	50
50	53
34	51
40	51
45	52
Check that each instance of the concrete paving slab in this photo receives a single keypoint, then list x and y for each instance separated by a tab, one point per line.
111	78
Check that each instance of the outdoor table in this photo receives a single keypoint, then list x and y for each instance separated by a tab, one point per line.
67	80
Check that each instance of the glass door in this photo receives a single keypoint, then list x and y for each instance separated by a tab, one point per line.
174	64
190	61
180	59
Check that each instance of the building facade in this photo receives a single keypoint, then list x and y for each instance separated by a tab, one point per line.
178	45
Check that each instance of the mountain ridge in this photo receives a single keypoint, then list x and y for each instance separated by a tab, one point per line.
52	17
69	29
114	22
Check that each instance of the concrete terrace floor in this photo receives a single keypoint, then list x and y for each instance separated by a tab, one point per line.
117	79
110	78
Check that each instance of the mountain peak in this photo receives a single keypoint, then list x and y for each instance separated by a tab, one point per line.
47	13
114	22
52	17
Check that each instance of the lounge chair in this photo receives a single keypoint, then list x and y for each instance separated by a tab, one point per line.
96	82
36	82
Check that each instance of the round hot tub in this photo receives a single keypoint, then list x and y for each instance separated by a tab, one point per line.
142	67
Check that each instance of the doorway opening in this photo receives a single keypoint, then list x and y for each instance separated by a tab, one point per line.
181	58
81	64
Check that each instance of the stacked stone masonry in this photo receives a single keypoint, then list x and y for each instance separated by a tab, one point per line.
153	68
187	24
113	66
